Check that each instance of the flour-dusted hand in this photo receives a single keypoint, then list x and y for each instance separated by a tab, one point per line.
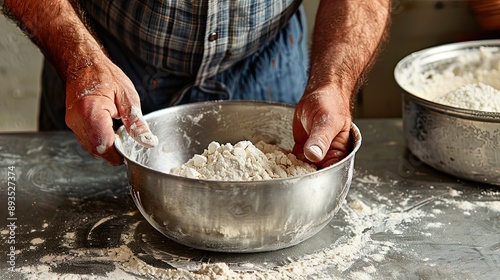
96	94
96	89
347	37
321	127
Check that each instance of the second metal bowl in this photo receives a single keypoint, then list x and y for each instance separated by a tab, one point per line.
461	142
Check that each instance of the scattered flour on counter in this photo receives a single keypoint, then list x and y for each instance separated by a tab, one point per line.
69	240
492	205
37	241
468	206
437	211
434	225
464	205
454	193
491	193
369	179
243	161
360	275
355	245
356	253
370	269
360	207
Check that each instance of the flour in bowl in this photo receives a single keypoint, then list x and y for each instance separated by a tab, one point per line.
243	161
469	81
475	96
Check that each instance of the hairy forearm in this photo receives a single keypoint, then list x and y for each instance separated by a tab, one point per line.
346	40
57	29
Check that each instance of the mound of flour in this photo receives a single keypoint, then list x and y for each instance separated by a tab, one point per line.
243	161
475	96
469	81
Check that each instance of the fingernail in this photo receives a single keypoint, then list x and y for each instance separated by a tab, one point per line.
316	150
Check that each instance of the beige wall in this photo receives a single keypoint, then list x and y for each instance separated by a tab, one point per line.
310	6
20	64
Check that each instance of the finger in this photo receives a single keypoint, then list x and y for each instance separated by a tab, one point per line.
298	151
323	131
338	150
334	155
137	127
96	136
133	120
300	135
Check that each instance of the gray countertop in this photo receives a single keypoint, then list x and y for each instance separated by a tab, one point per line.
72	216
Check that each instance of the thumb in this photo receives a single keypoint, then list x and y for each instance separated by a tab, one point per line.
322	132
338	149
328	140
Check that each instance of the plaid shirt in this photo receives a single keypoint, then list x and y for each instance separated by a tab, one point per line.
197	38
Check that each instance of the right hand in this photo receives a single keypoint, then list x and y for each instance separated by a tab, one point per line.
94	95
321	125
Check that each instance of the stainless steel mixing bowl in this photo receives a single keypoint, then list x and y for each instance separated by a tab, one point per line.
243	216
461	142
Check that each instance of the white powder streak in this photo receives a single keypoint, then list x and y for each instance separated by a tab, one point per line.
135	112
491	205
147	139
101	149
37	241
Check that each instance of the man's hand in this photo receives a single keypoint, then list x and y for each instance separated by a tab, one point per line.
96	89
321	127
96	94
347	37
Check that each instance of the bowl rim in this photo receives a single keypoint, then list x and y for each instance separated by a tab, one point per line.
442	49
354	132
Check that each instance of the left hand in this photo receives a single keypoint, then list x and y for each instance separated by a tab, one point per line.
321	126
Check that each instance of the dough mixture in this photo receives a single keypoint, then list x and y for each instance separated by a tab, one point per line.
243	161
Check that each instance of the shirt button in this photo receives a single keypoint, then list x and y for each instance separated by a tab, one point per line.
212	37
